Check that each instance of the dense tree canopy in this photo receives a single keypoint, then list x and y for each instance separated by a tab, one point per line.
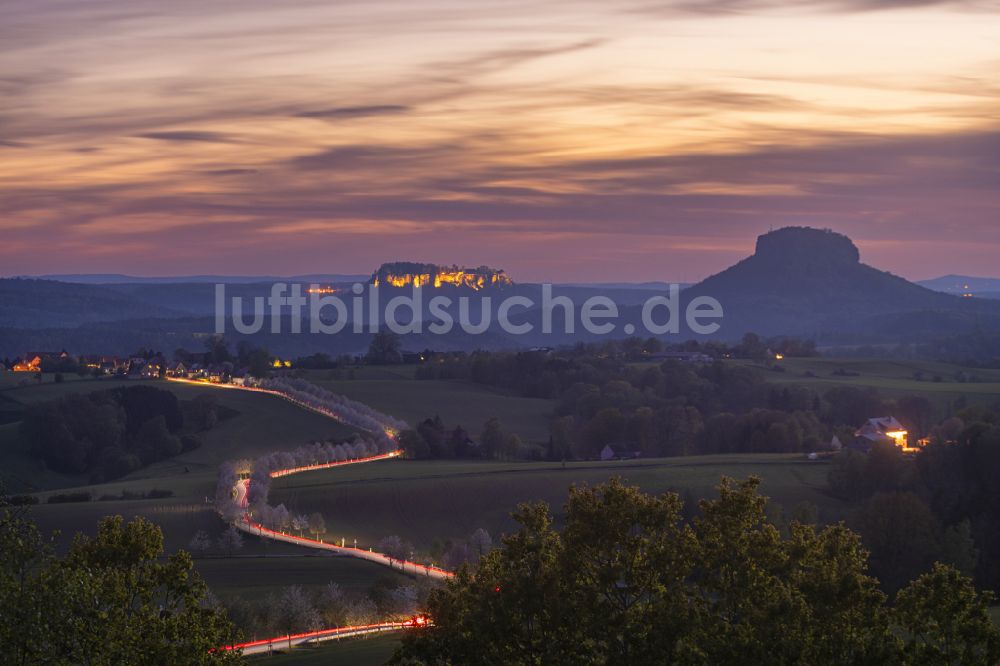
629	581
106	433
111	600
670	407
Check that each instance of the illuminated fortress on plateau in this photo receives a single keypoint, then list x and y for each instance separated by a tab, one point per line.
404	273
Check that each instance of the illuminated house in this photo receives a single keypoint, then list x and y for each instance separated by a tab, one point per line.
882	429
107	365
29	364
177	369
151	370
33	360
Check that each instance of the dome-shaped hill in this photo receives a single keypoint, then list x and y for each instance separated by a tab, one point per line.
811	282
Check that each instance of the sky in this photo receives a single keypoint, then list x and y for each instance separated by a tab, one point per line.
569	140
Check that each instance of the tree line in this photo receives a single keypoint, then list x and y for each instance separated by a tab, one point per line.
666	408
941	504
627	580
107	434
110	599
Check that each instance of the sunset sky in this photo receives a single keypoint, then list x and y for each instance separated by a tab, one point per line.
562	140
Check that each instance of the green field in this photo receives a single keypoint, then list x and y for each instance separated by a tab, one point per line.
892	378
262	424
20	379
30	392
350	652
251	577
394	391
428	501
425	502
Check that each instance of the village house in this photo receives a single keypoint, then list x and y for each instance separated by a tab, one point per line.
105	365
619	452
28	364
177	369
884	430
33	360
219	373
153	368
135	367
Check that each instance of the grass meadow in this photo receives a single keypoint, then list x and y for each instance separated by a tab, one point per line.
259	424
425	502
431	501
458	403
938	382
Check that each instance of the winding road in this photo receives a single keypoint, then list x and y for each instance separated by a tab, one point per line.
246	524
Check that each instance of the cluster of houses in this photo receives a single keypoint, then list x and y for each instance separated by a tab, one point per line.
26	364
217	373
33	360
42	361
135	367
62	361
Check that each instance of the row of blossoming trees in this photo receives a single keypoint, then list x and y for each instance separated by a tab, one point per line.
375	440
347	411
261	469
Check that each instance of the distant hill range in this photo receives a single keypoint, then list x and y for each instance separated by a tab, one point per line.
118	278
799	281
648	286
804	281
28	303
960	285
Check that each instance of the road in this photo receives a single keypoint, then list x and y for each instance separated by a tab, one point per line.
387	428
246	524
250	527
267	645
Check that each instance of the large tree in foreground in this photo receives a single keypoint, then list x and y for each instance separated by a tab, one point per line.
628	581
110	600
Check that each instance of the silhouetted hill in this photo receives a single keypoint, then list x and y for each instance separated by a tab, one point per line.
45	303
799	281
803	281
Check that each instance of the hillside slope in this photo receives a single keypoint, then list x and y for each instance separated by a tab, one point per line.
812	282
26	303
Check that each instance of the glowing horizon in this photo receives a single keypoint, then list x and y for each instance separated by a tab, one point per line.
567	142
